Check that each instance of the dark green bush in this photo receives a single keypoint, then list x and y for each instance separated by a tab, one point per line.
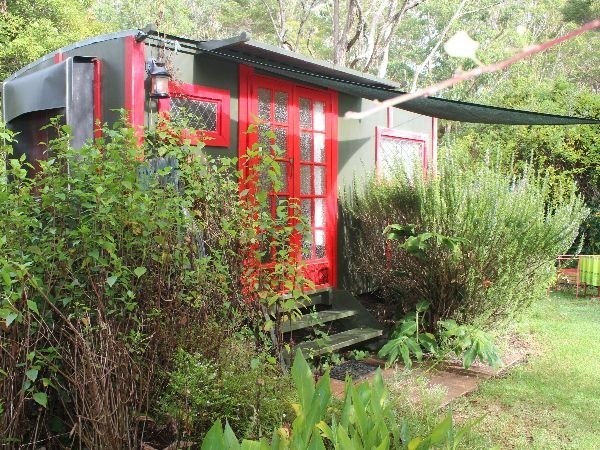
509	229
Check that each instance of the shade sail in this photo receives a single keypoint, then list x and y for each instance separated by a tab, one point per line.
292	65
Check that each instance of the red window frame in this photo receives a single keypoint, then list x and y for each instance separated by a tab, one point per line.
403	135
221	97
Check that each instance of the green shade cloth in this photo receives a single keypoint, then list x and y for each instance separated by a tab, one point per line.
589	269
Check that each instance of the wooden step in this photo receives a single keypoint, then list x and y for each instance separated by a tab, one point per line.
316	318
337	341
320	296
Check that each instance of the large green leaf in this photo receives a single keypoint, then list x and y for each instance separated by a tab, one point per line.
440	433
230	440
41	398
303	380
214	438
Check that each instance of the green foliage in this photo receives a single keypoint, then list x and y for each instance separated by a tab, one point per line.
29	30
406	340
467	341
239	387
496	238
566	154
106	256
366	420
470	342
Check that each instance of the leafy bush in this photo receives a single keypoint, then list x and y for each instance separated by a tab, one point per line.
108	262
469	342
366	420
502	234
406	339
240	387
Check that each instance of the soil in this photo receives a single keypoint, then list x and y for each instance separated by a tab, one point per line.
383	311
355	369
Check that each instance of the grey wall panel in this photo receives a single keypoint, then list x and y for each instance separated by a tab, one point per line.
356	145
112	56
220	74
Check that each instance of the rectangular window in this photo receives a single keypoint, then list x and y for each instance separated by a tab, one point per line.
204	110
400	150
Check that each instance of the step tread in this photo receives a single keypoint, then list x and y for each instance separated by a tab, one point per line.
337	341
317	318
320	296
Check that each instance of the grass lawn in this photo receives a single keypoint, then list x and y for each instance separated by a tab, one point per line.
552	401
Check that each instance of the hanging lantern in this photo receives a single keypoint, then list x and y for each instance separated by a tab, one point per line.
159	79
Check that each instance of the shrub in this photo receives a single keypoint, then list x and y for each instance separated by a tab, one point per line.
108	262
502	234
240	386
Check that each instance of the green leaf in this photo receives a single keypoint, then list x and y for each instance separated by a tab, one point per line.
41	398
440	433
303	380
6	277
469	356
10	318
33	306
316	442
139	271
214	438
111	280
32	374
231	441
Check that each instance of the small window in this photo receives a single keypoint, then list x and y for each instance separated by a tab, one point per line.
205	110
396	148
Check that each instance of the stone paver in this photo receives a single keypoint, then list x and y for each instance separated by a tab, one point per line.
452	377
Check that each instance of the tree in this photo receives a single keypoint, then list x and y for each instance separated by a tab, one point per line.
30	29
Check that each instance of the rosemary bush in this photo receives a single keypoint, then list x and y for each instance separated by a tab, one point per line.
511	227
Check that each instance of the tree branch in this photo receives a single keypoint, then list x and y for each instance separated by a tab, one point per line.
435	48
463	76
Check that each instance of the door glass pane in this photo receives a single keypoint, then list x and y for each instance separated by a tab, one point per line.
263	136
305	179
306	144
319	111
319	188
306	211
319	213
319	147
264	103
307	247
284	176
281	139
320	243
281	107
305	110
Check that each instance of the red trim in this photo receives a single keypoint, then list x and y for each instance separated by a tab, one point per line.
404	135
59	57
97	87
135	90
332	200
244	97
218	138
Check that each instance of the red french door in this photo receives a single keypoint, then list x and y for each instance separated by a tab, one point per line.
303	121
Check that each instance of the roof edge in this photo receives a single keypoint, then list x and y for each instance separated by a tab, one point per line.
78	44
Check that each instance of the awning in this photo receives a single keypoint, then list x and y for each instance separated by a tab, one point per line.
292	65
